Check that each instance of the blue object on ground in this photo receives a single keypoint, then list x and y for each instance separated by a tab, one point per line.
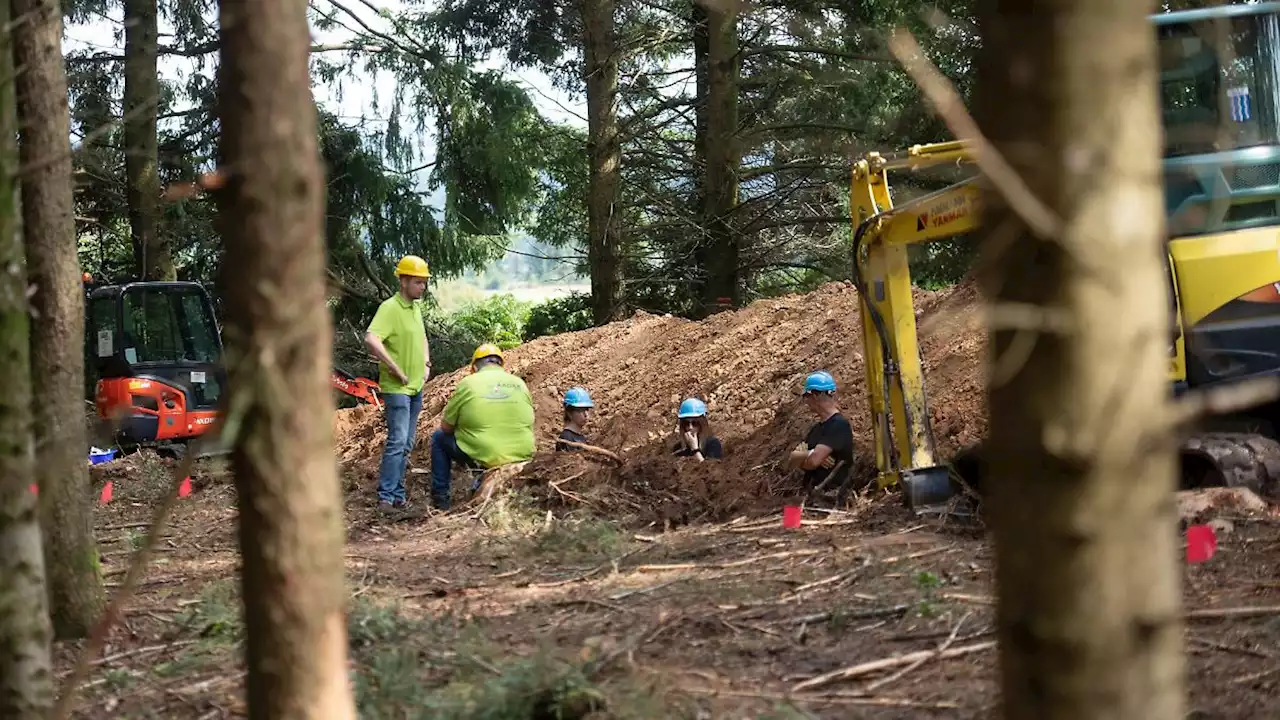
97	457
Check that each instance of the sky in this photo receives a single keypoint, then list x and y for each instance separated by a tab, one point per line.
355	102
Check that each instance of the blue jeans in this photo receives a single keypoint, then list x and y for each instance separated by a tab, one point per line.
444	452
402	426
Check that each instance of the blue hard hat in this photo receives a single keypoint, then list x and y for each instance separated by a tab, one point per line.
692	408
577	397
820	381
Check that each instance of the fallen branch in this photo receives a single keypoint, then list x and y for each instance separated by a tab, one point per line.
1228	648
593	449
886	663
593	669
593	572
918	555
872	687
125	526
568	494
820	699
722	566
975	599
138	651
860	615
772	523
644	590
493	479
1234	612
825	581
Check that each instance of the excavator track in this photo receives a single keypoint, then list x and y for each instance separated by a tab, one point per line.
1234	459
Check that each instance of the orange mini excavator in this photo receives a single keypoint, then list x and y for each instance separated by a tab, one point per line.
153	363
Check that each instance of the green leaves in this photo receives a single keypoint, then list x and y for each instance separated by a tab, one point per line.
488	155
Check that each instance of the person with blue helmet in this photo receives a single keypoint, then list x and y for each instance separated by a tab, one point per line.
826	455
577	408
696	439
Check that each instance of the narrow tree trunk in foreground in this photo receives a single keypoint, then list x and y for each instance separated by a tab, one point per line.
152	257
1082	480
26	673
57	332
279	342
605	155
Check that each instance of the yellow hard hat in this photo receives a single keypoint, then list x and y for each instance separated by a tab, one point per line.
484	351
413	266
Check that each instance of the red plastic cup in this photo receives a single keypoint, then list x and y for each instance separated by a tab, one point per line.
791	516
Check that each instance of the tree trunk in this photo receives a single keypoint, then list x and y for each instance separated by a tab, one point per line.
720	154
700	280
1082	477
152	257
26	672
57	333
605	151
279	344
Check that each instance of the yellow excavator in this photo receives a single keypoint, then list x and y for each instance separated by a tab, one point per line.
1220	100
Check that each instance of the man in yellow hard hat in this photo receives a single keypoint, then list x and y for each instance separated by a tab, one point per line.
397	336
488	422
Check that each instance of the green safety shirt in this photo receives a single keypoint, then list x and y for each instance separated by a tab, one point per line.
398	324
491	412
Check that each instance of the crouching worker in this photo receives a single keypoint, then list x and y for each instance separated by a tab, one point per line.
577	408
826	455
696	439
488	422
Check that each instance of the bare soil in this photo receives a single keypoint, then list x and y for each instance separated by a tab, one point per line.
478	614
748	365
659	589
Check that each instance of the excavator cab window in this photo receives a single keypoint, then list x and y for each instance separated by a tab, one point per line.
1218	83
1220	103
168	326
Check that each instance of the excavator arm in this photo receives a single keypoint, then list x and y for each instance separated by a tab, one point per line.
902	437
1224	290
360	388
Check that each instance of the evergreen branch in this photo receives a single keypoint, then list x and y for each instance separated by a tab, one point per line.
367	266
212	47
89	137
396	23
828	127
792	222
815	50
430	56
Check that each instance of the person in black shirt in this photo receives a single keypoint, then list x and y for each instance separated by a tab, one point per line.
696	439
577	407
826	455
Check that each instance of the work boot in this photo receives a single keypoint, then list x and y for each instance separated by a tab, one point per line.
387	508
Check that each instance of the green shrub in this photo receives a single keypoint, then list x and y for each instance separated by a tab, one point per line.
559	315
498	319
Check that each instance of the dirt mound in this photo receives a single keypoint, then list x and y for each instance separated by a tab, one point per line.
748	365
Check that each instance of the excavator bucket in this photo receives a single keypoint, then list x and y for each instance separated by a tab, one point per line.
926	489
